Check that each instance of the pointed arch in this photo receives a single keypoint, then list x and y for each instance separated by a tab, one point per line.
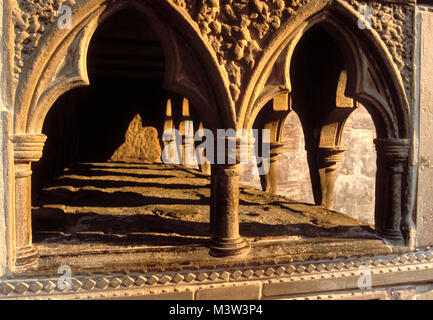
376	82
48	74
373	80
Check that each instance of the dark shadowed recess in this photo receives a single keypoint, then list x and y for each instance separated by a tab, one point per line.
126	70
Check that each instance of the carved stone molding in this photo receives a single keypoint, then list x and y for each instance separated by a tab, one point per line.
396	150
331	155
28	147
121	285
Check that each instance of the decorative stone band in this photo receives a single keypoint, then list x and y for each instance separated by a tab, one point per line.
393	149
330	155
385	271
28	147
424	7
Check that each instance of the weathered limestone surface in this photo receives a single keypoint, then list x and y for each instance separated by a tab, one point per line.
5	118
424	292
4	186
425	175
131	203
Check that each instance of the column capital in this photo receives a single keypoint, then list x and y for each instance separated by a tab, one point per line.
277	148
28	147
393	149
331	154
229	170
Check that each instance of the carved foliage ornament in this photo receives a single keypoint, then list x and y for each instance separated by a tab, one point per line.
237	30
31	19
394	24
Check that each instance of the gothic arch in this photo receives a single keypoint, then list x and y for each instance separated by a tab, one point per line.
372	79
58	64
340	19
48	74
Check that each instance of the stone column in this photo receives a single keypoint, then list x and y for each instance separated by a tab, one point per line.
186	129
276	148
204	163
27	149
168	122
392	156
226	240
327	158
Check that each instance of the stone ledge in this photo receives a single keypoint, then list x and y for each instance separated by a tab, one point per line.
275	282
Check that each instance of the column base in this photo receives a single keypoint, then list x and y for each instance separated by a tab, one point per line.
392	236
228	247
25	256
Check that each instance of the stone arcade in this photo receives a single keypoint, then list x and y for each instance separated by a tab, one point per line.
83	111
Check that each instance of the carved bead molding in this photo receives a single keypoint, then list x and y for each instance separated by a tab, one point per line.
28	147
237	30
393	149
120	285
31	19
394	23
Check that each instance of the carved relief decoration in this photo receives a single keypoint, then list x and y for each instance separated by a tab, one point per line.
394	24
237	30
31	19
